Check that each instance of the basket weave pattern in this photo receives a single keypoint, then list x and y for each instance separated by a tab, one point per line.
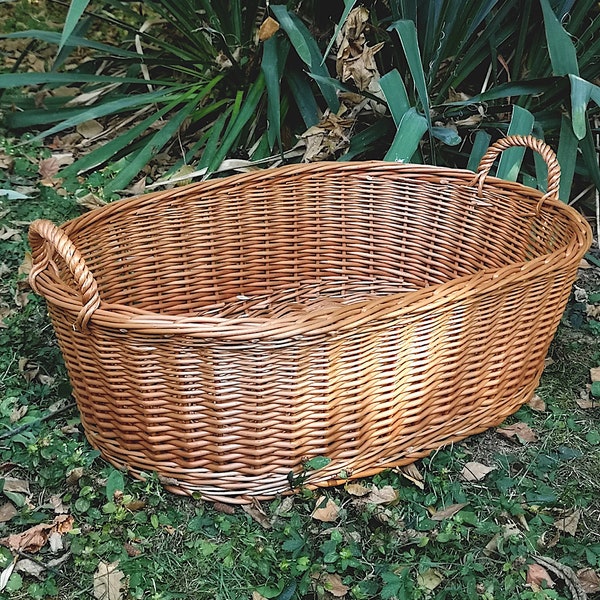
224	332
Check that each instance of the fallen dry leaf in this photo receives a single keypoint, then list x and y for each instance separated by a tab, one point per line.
29	567
224	508
448	512
413	474
258	515
257	596
595	374
135	505
18	413
8	233
430	579
268	28
385	495
358	490
475	471
34	538
89	129
592	310
538	577
20	486
521	431
7	512
26	264
90	201
568	523
332	582
589	580
537	404
5	575
325	511
584	264
131	549
108	581
74	475
49	167
55	541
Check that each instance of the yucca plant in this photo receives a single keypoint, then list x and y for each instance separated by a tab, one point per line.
189	72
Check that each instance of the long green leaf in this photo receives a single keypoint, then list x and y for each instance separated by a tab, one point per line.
560	47
304	97
581	92
154	145
590	156
308	51
366	140
51	37
270	68
408	38
407	138
234	129
567	157
394	91
76	9
107	108
212	145
11	80
521	123
480	146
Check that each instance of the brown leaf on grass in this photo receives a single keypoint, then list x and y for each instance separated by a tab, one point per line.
384	495
29	567
257	596
34	538
521	431
131	550
475	471
592	310
74	475
90	201
258	515
584	264
357	489
537	404
26	264
109	582
413	474
326	138
224	508
268	28
28	369
7	512
48	167
8	233
325	511
20	486
448	512
332	582
18	413
135	505
430	579
595	374
568	523
589	580
89	129
538	577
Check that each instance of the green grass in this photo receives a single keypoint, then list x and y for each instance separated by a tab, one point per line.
171	547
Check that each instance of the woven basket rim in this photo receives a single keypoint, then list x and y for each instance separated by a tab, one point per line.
327	319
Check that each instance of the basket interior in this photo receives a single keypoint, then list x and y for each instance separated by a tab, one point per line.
266	245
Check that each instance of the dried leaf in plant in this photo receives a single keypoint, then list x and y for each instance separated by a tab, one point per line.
34	538
521	431
537	404
384	495
568	523
357	489
7	512
327	511
258	515
475	471
413	474
595	374
20	486
430	579
268	28
108	581
589	580
332	583
448	512
538	577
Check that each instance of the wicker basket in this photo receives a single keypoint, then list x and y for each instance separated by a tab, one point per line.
224	332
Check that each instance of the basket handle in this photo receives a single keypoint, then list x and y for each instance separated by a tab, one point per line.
46	239
526	141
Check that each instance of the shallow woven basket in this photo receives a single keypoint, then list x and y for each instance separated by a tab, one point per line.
223	333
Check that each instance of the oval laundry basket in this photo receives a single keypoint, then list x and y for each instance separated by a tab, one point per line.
223	333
